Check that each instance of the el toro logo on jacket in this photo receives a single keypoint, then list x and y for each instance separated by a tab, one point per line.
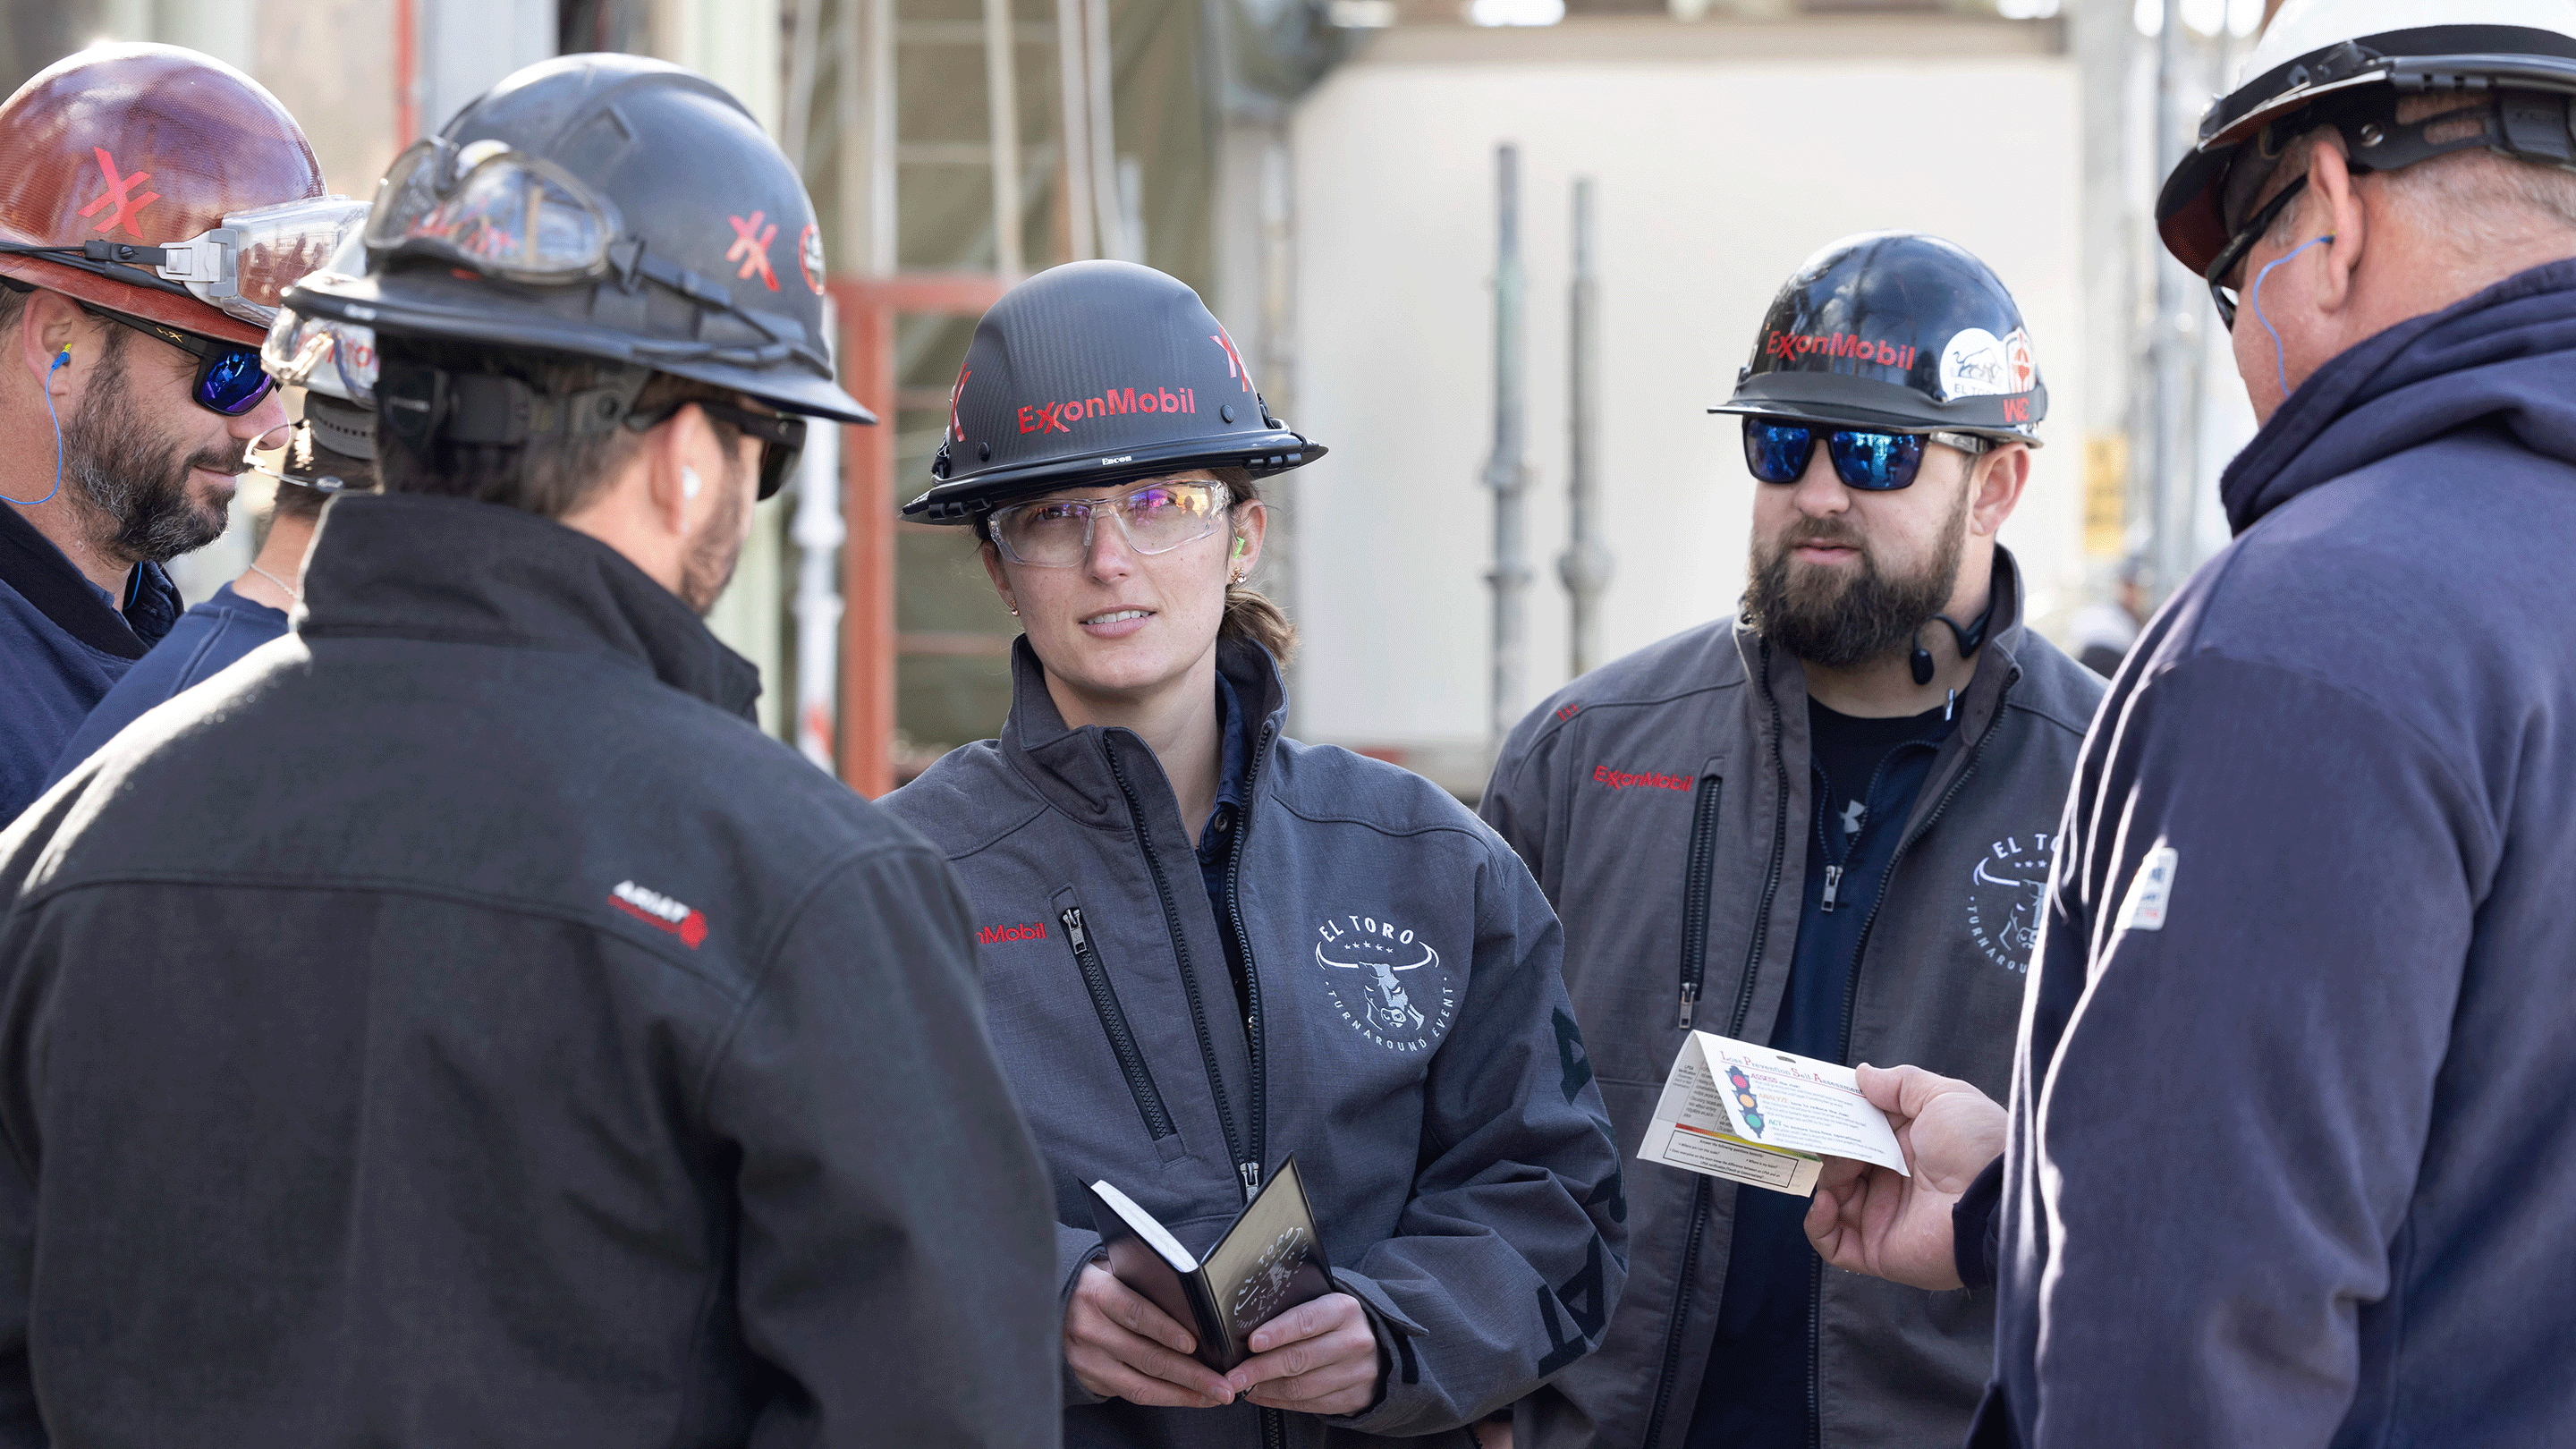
660	912
1373	972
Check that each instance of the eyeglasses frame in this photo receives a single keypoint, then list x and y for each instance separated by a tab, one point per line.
207	350
1968	443
1117	506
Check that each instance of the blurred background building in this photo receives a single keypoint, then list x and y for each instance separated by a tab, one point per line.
1327	173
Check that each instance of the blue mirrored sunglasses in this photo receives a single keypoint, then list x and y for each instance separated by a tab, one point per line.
1870	461
230	379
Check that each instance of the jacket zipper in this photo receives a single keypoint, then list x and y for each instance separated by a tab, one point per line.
1695	909
1851	1003
1181	952
1251	1167
1113	1021
1703	859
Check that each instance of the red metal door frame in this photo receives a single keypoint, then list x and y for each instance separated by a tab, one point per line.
869	307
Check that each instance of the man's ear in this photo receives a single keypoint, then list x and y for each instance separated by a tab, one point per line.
49	323
679	446
2333	206
1995	489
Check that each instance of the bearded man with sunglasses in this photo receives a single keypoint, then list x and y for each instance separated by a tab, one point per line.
1823	825
161	202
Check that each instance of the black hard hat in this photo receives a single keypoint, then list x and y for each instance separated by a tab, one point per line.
2510	65
612	207
1898	332
1098	372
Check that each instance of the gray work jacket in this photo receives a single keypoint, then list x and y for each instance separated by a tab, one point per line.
1408	1038
1662	801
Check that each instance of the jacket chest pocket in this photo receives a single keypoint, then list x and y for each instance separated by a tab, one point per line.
1159	1126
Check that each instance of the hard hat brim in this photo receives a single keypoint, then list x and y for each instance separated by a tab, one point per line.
388	306
150	303
1836	400
959	499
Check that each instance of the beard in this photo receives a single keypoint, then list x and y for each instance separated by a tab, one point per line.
135	479
1824	618
715	548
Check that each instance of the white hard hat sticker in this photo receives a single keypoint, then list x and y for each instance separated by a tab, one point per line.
1977	363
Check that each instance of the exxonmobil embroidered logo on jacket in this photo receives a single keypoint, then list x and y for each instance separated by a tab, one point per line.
1004	935
1640	779
660	912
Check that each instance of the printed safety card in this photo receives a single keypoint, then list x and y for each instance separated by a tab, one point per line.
1770	1118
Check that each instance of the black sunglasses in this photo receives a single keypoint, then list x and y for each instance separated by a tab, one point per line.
1870	461
230	379
781	435
2221	292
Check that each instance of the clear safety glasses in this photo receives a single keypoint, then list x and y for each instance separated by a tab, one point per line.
1870	461
502	212
338	358
1055	533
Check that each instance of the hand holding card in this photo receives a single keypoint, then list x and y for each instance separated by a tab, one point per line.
1756	1115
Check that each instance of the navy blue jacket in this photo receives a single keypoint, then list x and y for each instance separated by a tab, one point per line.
2293	1152
63	644
206	638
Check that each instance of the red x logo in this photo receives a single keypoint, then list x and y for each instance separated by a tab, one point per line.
751	247
120	189
953	425
1233	360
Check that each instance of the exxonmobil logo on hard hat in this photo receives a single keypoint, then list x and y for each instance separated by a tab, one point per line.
1059	417
1788	346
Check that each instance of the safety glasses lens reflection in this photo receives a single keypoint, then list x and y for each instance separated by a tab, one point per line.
1157	518
232	381
1777	452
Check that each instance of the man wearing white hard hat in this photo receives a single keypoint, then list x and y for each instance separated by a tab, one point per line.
2292	1145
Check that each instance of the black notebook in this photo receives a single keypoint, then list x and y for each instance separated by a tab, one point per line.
1268	1261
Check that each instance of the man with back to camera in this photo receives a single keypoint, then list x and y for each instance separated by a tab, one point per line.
2293	1132
332	449
1823	825
458	1024
162	202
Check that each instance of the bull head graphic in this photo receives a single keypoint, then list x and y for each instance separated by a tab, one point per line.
2020	929
1389	1004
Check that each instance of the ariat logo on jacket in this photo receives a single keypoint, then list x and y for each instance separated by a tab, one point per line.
1623	780
1003	935
660	912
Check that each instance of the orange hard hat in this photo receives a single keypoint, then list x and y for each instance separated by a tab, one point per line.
144	145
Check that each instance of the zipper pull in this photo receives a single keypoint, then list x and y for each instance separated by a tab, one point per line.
1833	884
1690	1002
1251	1178
1072	918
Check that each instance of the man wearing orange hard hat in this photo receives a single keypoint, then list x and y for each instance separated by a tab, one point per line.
157	203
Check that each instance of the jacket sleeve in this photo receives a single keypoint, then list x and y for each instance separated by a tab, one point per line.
2226	1138
1515	802
895	1259
1507	1262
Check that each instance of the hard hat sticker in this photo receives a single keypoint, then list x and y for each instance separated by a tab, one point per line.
1233	360
1977	363
751	247
120	193
809	256
1785	346
1059	417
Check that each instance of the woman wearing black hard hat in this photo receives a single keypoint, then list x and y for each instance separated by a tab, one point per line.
1205	947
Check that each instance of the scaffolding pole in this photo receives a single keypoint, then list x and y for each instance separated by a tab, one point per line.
1507	471
1585	565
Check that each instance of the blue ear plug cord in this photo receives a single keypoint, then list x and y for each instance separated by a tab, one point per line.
2280	362
62	360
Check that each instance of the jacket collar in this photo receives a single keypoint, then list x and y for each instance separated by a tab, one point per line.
406	566
44	577
2505	356
1071	767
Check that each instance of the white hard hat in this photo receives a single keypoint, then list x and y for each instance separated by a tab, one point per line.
2347	62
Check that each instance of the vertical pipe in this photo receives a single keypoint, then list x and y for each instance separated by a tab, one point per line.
406	73
1506	472
1114	242
1585	565
818	534
1073	94
2166	456
881	255
1002	116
